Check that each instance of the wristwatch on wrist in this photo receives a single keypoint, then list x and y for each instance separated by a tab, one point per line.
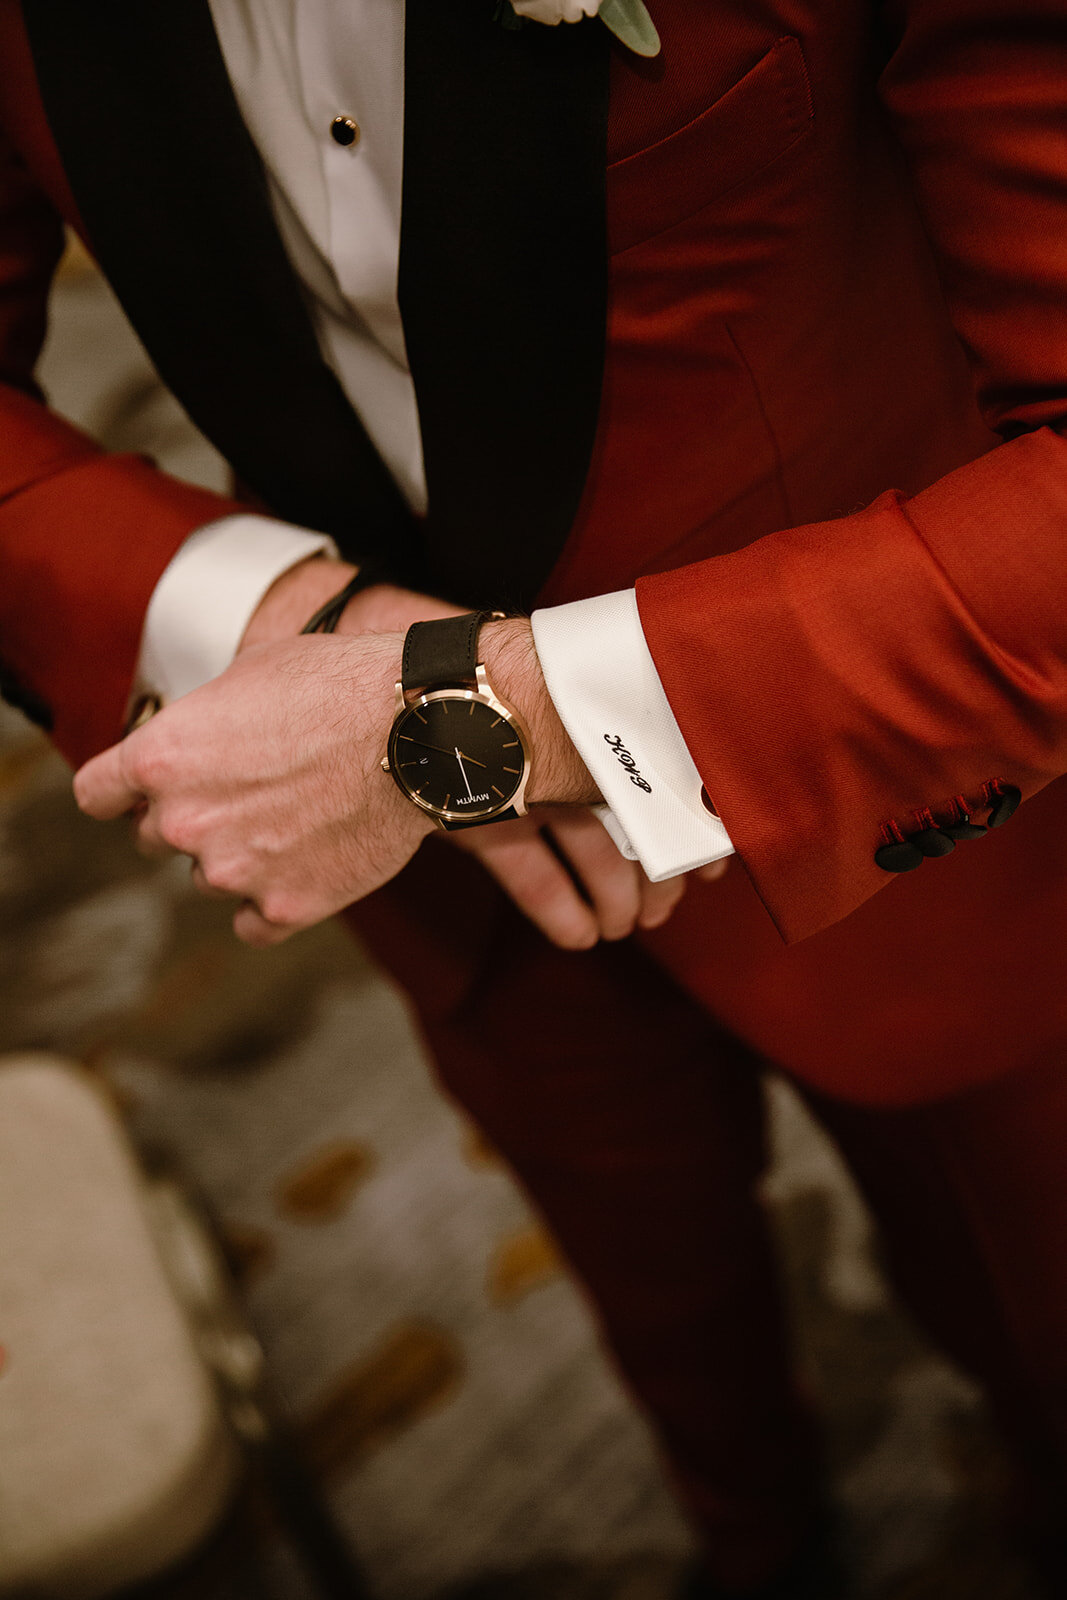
455	749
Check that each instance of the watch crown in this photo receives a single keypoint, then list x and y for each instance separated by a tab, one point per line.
385	763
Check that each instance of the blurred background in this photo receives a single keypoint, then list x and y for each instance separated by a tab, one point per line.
443	1373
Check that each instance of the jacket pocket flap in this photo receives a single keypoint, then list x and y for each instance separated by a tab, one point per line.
764	113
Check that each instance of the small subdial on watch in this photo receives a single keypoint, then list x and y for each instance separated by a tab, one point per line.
457	754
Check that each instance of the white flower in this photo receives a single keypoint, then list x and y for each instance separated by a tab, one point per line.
628	20
553	11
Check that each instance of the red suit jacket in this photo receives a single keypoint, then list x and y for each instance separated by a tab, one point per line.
823	434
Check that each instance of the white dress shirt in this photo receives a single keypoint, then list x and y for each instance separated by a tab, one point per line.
296	67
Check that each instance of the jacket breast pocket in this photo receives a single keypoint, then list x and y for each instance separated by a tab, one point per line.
746	129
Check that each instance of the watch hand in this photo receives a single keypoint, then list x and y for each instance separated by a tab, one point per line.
463	756
441	751
463	770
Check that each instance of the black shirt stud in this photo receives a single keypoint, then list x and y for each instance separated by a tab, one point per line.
345	130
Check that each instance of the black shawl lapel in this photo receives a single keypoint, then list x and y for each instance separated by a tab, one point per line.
503	274
175	201
502	282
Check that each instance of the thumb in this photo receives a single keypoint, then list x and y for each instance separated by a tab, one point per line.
102	788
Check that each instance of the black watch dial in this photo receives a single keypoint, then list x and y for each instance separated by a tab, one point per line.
457	756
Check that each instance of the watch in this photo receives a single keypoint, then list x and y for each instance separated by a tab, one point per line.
455	749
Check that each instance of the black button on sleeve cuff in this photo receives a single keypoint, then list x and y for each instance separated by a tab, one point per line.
1005	805
899	857
963	830
933	842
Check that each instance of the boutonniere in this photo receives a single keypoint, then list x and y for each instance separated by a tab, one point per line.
628	19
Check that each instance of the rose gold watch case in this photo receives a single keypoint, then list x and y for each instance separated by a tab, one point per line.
483	692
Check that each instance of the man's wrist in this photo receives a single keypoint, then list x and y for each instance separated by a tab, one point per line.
558	774
295	596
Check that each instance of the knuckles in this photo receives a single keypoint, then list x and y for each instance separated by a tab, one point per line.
179	830
283	909
150	762
251	929
226	877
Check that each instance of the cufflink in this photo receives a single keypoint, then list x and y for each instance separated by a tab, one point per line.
143	710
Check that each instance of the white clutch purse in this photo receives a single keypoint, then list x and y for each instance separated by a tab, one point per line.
117	1455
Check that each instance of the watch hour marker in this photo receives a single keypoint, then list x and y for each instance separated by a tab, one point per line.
512	744
448	801
420	716
493	724
511	769
495	790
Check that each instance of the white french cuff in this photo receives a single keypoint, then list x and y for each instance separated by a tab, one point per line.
603	682
205	599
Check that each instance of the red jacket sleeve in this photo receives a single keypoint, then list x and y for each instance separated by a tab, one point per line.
834	678
84	536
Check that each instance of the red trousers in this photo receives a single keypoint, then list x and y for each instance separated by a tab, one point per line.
636	1124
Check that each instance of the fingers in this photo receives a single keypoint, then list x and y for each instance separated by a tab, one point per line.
564	871
613	885
249	923
623	897
534	878
106	786
216	881
542	887
252	927
658	900
160	829
148	838
272	918
713	870
205	886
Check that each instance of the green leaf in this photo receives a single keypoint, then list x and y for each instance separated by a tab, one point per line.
630	22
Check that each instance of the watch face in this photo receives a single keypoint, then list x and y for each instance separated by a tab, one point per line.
454	754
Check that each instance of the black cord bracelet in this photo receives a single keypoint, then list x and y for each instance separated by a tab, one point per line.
328	616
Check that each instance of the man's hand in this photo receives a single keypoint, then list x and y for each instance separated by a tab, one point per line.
269	778
559	866
540	860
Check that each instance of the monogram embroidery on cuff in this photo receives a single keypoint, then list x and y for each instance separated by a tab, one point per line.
626	760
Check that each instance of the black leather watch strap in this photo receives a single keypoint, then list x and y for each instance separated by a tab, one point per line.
479	822
442	651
